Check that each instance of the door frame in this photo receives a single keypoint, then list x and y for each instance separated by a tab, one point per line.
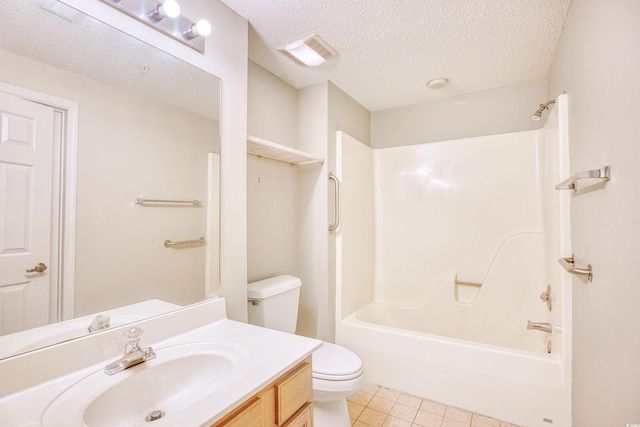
63	201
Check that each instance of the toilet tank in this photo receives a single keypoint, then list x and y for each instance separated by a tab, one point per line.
273	302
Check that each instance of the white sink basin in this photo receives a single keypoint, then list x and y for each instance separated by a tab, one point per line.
181	376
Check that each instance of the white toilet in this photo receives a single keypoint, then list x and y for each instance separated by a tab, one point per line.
337	371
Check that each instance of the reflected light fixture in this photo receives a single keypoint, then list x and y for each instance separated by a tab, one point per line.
164	16
310	51
62	10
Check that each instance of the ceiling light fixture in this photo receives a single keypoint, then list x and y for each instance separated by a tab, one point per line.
310	51
438	83
165	17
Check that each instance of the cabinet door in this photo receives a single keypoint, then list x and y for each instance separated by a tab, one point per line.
250	415
293	392
303	418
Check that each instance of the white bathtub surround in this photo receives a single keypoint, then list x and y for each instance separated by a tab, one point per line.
495	313
481	210
31	381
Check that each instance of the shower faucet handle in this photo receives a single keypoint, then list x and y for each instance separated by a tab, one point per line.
546	297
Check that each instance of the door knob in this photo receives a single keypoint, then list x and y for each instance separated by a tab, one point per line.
39	268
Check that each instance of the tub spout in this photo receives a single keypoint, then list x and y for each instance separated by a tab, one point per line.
539	326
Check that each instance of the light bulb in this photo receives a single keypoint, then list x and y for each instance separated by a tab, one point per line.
168	9
200	28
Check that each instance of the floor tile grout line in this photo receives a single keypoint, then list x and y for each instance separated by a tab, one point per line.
384	393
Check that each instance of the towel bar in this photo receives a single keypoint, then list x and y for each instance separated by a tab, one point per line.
462	282
182	243
571	183
140	201
569	265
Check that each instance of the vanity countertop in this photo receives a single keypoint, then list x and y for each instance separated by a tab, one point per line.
267	354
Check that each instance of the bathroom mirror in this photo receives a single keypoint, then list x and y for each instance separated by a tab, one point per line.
146	127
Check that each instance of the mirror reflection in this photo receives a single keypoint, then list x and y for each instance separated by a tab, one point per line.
92	120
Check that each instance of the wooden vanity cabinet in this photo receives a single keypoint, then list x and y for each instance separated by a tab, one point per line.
287	402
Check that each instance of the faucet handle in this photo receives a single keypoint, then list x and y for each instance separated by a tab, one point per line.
134	335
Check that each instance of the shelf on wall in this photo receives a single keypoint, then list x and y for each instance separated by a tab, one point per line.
271	150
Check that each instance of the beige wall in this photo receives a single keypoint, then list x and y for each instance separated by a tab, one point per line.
272	218
477	114
598	65
272	107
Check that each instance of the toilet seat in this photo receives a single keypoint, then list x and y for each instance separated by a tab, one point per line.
332	362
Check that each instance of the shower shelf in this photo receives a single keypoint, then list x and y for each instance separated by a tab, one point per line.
571	183
263	148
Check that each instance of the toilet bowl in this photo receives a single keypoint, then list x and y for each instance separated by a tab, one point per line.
337	371
337	375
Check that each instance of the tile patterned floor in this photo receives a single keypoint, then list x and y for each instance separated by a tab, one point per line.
377	406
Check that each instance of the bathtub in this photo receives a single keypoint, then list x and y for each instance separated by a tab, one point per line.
440	260
522	387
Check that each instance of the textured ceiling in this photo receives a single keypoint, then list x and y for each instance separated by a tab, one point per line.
93	49
388	49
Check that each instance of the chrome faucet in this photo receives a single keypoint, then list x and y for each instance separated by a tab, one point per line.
101	321
539	326
133	353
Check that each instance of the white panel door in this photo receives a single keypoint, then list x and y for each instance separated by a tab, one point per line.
26	159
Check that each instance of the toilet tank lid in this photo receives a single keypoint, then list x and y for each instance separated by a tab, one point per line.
272	286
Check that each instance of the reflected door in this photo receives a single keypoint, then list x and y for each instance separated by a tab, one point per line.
26	167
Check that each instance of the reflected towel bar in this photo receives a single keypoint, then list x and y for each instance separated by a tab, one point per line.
571	183
183	243
140	201
569	265
336	207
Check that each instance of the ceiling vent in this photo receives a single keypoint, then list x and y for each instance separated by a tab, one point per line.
310	51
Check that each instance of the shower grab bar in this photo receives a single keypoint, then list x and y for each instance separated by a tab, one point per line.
140	201
571	183
569	265
336	206
182	243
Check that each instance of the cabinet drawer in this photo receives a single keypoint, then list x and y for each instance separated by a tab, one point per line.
302	418
248	415
293	392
